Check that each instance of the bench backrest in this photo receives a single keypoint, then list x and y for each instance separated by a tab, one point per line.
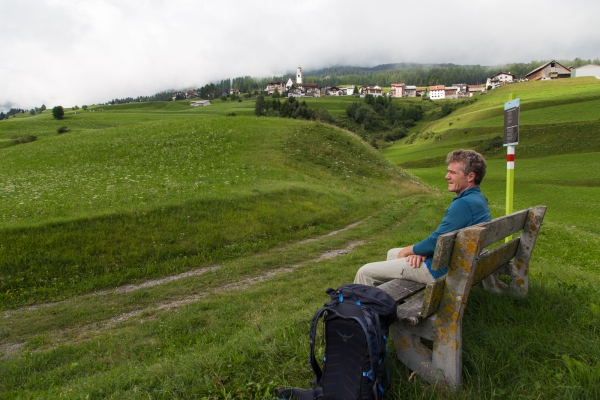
464	251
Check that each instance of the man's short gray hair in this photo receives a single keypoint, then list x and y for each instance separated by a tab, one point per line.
471	160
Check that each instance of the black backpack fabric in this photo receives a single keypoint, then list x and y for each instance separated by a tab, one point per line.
356	325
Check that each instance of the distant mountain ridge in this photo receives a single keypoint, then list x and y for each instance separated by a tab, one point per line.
383	75
355	70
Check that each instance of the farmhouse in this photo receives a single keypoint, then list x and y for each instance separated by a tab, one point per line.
334	91
474	89
550	70
463	90
271	86
189	94
372	90
200	103
437	92
451	92
420	91
499	79
586	70
309	89
396	90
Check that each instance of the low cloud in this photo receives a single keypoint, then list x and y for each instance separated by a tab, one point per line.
91	51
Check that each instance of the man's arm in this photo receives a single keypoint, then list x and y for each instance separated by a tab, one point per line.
413	259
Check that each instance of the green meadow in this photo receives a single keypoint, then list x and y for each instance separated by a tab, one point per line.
156	250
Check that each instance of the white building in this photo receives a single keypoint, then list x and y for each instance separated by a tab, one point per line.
372	90
200	103
500	79
289	84
299	75
437	92
586	70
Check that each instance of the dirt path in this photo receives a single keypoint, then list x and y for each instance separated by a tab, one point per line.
87	331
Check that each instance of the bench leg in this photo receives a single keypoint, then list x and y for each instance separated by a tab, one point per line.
443	365
411	351
493	284
519	280
447	356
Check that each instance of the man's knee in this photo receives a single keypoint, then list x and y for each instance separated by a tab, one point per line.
392	254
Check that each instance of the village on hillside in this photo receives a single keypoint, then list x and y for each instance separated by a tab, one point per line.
548	71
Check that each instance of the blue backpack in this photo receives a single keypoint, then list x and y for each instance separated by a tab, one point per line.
356	325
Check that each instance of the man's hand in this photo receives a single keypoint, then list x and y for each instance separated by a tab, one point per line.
413	259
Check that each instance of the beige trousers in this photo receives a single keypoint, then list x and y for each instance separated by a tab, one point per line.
376	273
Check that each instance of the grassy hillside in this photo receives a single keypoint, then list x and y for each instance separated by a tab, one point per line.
557	117
184	252
132	193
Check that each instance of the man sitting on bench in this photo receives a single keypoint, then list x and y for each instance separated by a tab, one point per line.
466	169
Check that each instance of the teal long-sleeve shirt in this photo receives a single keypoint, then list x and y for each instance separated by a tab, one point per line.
470	208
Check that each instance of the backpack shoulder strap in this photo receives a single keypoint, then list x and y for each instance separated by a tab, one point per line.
313	336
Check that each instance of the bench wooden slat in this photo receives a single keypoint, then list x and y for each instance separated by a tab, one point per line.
410	312
400	289
496	230
491	260
502	227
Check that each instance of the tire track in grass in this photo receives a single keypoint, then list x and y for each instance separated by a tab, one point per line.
156	282
89	330
240	285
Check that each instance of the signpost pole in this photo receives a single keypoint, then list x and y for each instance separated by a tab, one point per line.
511	139
510	178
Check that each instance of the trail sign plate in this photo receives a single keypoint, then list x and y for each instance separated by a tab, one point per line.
511	122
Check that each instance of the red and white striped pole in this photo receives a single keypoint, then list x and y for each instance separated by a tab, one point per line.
510	178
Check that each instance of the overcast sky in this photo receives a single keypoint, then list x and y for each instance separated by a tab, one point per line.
70	52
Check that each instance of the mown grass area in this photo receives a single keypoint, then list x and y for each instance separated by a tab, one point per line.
562	101
223	277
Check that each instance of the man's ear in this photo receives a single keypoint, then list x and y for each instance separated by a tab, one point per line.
471	177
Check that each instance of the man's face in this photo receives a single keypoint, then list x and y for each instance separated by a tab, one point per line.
458	182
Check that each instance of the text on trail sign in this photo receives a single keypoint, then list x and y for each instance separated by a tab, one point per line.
511	122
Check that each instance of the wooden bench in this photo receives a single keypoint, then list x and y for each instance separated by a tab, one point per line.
435	311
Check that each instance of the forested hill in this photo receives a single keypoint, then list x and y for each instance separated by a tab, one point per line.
424	74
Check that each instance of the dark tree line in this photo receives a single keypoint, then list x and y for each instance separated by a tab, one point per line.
15	111
380	118
289	108
426	75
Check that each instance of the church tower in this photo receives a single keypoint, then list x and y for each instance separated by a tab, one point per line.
299	76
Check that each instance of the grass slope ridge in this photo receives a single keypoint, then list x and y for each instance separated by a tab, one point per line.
138	199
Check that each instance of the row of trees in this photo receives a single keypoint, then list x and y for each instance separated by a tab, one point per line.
15	111
380	118
374	118
289	108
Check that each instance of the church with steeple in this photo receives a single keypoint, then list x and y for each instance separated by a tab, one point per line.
300	89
